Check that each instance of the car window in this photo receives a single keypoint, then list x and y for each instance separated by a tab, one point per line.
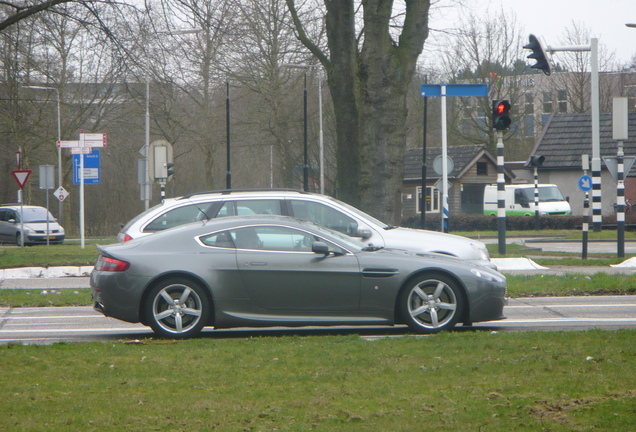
220	239
250	207
270	238
323	215
178	216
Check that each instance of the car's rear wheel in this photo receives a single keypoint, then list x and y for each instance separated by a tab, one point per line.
177	308
431	303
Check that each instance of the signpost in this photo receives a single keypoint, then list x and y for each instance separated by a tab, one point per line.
47	181
445	90
92	171
83	146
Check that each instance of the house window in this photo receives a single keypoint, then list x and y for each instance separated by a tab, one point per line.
544	119
547	102
528	125
562	97
529	103
482	168
432	199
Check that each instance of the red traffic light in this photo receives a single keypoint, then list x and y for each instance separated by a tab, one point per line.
501	115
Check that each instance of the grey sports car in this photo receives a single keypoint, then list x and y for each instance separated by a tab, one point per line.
261	271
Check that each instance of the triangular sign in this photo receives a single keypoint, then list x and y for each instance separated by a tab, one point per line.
21	176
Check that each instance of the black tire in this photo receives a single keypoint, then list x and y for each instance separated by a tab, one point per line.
431	303
177	308
18	239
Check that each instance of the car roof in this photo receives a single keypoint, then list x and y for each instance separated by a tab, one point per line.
246	192
17	206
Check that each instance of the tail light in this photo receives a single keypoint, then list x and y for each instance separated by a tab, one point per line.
111	264
127	238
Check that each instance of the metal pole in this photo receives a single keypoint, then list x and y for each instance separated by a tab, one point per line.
536	199
321	143
59	158
596	142
147	146
423	185
306	156
228	175
501	194
444	163
81	215
620	200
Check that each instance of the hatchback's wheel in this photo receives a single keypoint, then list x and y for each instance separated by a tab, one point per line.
177	308
18	240
431	303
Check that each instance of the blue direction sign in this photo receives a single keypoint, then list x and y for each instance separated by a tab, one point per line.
91	168
585	183
454	89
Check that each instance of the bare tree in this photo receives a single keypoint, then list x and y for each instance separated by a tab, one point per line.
370	61
484	50
576	79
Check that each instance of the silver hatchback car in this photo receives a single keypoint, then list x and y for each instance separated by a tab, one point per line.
29	224
319	209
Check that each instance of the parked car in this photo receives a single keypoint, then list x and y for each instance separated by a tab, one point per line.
37	224
261	271
320	209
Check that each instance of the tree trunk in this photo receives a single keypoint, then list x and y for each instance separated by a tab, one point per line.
368	84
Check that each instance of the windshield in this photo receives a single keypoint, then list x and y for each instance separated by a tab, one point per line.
37	214
546	194
349	242
550	193
366	217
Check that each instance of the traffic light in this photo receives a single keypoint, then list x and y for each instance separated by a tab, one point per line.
539	54
501	115
170	171
536	160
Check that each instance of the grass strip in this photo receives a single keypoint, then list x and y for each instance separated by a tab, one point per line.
477	381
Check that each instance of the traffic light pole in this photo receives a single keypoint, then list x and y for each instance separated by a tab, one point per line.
539	53
501	194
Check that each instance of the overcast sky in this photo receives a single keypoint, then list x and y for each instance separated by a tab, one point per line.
605	19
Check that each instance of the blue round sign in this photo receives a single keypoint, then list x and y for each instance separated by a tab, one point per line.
585	183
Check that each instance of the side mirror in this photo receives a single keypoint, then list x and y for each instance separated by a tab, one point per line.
321	248
365	233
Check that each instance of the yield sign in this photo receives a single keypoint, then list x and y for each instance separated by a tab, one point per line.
21	176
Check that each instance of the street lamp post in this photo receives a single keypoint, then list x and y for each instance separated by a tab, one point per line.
59	138
321	144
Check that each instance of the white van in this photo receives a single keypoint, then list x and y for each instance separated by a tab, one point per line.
520	200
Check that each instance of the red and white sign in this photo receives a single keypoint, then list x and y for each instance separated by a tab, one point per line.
21	176
61	193
92	139
68	144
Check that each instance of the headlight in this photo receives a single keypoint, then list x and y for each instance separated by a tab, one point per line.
482	253
488	276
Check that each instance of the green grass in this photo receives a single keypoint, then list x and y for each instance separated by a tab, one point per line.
52	255
44	297
468	381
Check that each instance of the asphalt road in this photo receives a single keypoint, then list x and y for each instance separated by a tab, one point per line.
76	324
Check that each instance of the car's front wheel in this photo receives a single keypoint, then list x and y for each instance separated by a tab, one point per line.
431	303
177	309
